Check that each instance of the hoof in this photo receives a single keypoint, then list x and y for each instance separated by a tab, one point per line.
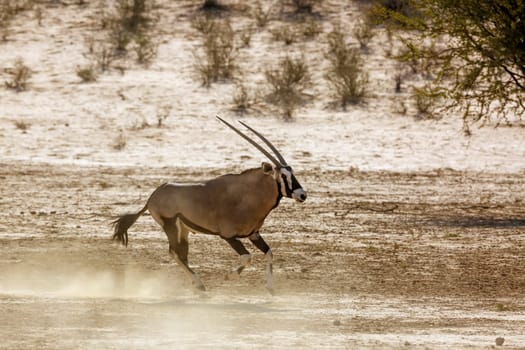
271	290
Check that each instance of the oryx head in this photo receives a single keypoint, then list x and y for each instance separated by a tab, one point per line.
281	171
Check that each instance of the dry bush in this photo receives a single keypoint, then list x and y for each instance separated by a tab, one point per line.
134	16
310	28
204	24
285	34
425	102
87	73
19	76
262	17
163	112
22	125
218	62
287	84
307	28
345	74
8	10
145	49
213	5
101	54
246	37
242	101
364	33
303	6
127	22
120	142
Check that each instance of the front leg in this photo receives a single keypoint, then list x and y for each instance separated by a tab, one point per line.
259	242
245	256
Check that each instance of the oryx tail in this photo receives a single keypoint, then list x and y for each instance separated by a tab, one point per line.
123	223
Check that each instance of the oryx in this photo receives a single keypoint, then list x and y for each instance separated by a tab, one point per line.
232	206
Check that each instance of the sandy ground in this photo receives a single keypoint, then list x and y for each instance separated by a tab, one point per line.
376	260
412	235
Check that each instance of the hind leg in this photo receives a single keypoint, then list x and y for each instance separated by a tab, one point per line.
178	240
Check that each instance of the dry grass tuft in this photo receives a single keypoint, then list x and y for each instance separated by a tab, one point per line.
19	76
87	73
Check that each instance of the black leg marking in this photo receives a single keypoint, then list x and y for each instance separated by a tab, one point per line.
237	245
259	242
241	250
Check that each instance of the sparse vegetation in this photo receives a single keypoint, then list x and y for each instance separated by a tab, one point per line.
286	34
346	74
120	142
212	5
218	61
19	76
425	102
8	10
262	17
310	28
145	49
163	112
22	125
101	55
242	101
392	12
287	85
364	33
129	23
303	6
87	73
246	37
204	24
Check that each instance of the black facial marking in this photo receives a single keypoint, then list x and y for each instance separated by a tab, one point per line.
286	187
295	183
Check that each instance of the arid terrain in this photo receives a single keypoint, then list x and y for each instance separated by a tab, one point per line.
376	260
412	236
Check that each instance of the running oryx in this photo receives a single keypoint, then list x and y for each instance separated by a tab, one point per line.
231	206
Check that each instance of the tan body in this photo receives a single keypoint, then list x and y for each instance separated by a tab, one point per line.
233	205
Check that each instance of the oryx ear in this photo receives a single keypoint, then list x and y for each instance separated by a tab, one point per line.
267	168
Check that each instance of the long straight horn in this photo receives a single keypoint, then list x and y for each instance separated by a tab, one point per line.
268	143
265	152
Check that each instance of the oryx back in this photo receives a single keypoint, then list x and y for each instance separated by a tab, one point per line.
233	205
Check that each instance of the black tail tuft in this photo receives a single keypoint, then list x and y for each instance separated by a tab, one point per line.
121	226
